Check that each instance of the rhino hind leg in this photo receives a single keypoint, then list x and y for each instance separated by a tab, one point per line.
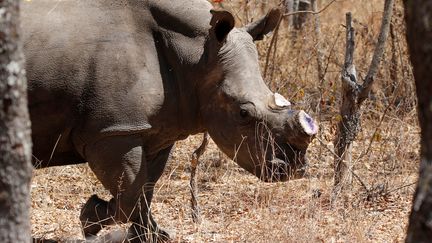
121	166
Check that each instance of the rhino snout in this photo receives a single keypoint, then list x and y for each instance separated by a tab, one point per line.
288	161
300	129
307	124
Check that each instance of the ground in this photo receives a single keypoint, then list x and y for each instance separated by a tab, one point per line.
236	206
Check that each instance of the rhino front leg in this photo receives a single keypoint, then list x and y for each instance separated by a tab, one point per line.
120	163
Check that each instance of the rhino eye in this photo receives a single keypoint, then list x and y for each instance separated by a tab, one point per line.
244	113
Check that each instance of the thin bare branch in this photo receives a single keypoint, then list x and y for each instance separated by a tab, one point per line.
320	54
350	44
311	12
401	187
196	216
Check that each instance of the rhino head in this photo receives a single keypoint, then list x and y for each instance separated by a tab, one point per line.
252	125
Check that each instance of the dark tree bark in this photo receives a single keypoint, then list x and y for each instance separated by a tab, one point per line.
15	141
292	6
300	19
418	16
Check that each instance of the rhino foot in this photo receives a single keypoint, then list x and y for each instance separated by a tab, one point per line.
116	236
133	235
42	240
138	233
95	215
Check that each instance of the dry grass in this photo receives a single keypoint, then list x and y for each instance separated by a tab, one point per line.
236	206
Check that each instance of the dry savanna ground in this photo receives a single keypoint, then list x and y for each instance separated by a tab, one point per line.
236	206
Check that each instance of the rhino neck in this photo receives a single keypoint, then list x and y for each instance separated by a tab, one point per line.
181	75
180	33
179	30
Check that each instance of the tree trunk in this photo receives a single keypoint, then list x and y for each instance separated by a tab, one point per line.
300	19
290	6
15	141
353	95
418	16
349	124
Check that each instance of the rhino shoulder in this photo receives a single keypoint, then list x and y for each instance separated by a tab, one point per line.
190	18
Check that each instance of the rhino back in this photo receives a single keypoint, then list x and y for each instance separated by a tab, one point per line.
88	68
98	68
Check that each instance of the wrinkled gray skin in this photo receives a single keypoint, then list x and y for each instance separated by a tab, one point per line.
116	83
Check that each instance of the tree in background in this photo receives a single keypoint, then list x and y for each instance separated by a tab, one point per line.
15	140
418	16
353	96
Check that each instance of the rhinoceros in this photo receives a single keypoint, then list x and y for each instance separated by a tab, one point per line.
115	83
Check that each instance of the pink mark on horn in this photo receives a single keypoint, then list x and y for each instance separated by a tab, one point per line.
308	124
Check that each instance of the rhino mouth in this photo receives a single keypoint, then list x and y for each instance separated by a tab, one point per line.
287	162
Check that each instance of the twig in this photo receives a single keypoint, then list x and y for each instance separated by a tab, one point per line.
273	61
53	150
310	12
360	180
401	187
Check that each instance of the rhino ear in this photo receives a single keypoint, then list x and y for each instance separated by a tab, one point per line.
222	23
264	25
